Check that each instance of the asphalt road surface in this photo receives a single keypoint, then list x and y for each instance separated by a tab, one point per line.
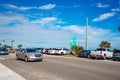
62	68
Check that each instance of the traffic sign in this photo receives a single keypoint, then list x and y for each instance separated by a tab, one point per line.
73	41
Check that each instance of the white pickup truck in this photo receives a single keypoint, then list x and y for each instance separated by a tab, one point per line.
101	53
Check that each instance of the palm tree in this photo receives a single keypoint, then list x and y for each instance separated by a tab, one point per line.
12	43
105	44
108	45
76	49
102	44
19	46
3	43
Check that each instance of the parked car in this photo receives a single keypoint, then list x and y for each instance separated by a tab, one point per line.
45	51
4	51
116	55
53	51
29	54
101	53
84	53
39	49
63	51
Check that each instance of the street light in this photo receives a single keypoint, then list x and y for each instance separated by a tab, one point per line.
86	41
86	33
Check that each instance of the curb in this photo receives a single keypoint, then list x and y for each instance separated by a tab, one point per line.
8	74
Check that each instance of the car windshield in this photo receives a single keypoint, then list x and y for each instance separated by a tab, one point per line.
31	50
100	49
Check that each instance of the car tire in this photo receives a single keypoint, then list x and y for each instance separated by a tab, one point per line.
62	53
96	57
104	57
17	58
41	60
26	59
88	56
114	59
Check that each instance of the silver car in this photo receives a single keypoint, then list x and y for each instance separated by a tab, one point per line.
29	54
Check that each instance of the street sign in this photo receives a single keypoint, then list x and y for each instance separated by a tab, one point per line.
73	41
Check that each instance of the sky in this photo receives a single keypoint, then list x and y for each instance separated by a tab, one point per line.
51	23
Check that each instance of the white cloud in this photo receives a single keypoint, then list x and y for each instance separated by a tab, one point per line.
12	17
102	5
81	30
104	16
44	7
75	28
45	20
47	7
10	5
19	8
33	36
48	21
116	9
95	35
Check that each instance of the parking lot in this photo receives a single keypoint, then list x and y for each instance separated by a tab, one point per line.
63	68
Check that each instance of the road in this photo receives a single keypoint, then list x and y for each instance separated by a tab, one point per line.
63	68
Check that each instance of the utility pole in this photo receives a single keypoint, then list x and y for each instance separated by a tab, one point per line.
86	33
86	40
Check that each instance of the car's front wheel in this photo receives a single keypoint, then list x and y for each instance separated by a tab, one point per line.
114	59
26	59
41	60
62	53
17	58
88	56
104	57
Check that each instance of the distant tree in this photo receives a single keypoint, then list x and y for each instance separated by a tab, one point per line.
3	43
77	49
19	46
105	44
6	46
115	49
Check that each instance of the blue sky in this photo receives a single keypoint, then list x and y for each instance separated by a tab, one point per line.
51	23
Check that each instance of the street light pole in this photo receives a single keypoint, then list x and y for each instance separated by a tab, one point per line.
86	33
86	40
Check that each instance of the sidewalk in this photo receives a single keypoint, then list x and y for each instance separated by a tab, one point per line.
8	74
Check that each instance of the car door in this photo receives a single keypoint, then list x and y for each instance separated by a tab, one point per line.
19	53
23	52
